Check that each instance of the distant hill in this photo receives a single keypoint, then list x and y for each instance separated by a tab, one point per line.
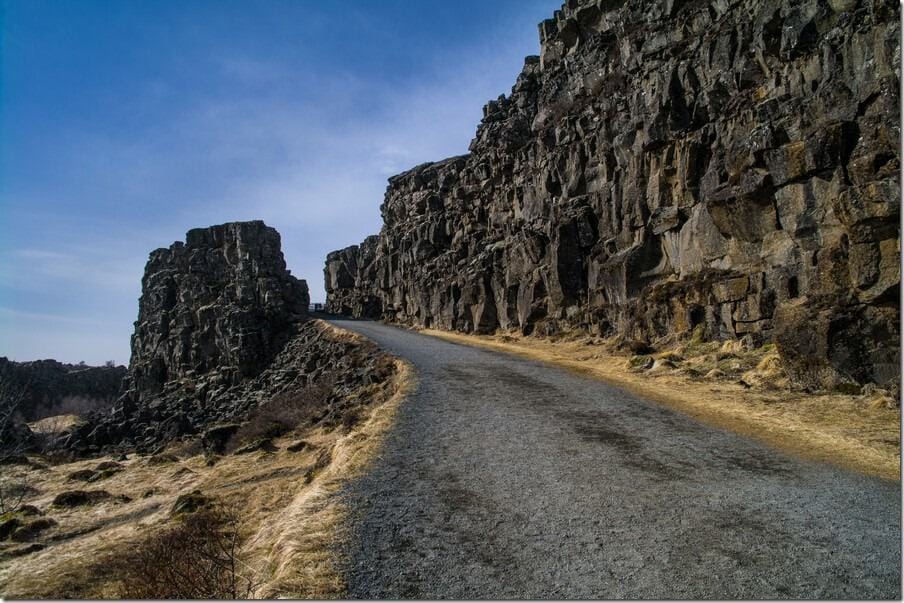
54	388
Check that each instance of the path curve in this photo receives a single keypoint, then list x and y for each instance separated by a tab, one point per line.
507	478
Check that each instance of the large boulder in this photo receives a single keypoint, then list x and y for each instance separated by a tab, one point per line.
827	344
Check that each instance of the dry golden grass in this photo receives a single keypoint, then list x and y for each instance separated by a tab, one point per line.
748	394
299	543
56	424
288	501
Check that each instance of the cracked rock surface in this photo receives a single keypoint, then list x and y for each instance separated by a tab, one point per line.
725	166
222	327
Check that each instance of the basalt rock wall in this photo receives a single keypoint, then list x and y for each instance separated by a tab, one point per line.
221	302
729	167
222	328
214	314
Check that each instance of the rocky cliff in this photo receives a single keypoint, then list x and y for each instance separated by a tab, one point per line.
222	328
50	388
221	302
728	167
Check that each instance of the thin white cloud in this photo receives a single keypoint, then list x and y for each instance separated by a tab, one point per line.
44	269
18	315
307	152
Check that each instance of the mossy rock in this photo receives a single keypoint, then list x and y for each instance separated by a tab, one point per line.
29	511
299	446
29	530
82	475
640	363
99	475
162	459
265	444
191	503
79	498
109	466
8	525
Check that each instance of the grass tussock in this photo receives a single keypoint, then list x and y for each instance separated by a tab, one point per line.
299	545
733	386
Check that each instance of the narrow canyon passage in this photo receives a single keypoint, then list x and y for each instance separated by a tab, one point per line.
507	478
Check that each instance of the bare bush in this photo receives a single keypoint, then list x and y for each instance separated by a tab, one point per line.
197	559
189	448
15	440
51	437
13	492
283	413
14	435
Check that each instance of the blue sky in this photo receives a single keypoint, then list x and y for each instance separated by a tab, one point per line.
125	123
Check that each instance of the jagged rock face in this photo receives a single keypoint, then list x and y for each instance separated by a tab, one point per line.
49	387
726	166
348	275
222	301
223	327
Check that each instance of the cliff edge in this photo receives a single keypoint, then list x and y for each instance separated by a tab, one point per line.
729	169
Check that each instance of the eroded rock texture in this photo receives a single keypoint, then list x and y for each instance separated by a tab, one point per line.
222	301
726	166
192	404
222	328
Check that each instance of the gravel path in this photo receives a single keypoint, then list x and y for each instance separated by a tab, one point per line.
506	478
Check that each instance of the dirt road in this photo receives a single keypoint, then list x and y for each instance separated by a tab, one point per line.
507	478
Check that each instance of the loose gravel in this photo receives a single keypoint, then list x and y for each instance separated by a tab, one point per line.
506	478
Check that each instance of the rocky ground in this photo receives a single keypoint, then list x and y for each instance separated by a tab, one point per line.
506	478
77	517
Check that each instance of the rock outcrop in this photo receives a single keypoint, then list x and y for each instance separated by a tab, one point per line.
728	167
223	327
221	302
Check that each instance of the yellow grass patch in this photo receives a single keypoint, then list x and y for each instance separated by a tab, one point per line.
288	501
746	392
56	424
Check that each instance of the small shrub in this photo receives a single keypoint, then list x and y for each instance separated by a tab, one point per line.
13	492
351	417
189	448
282	414
196	559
